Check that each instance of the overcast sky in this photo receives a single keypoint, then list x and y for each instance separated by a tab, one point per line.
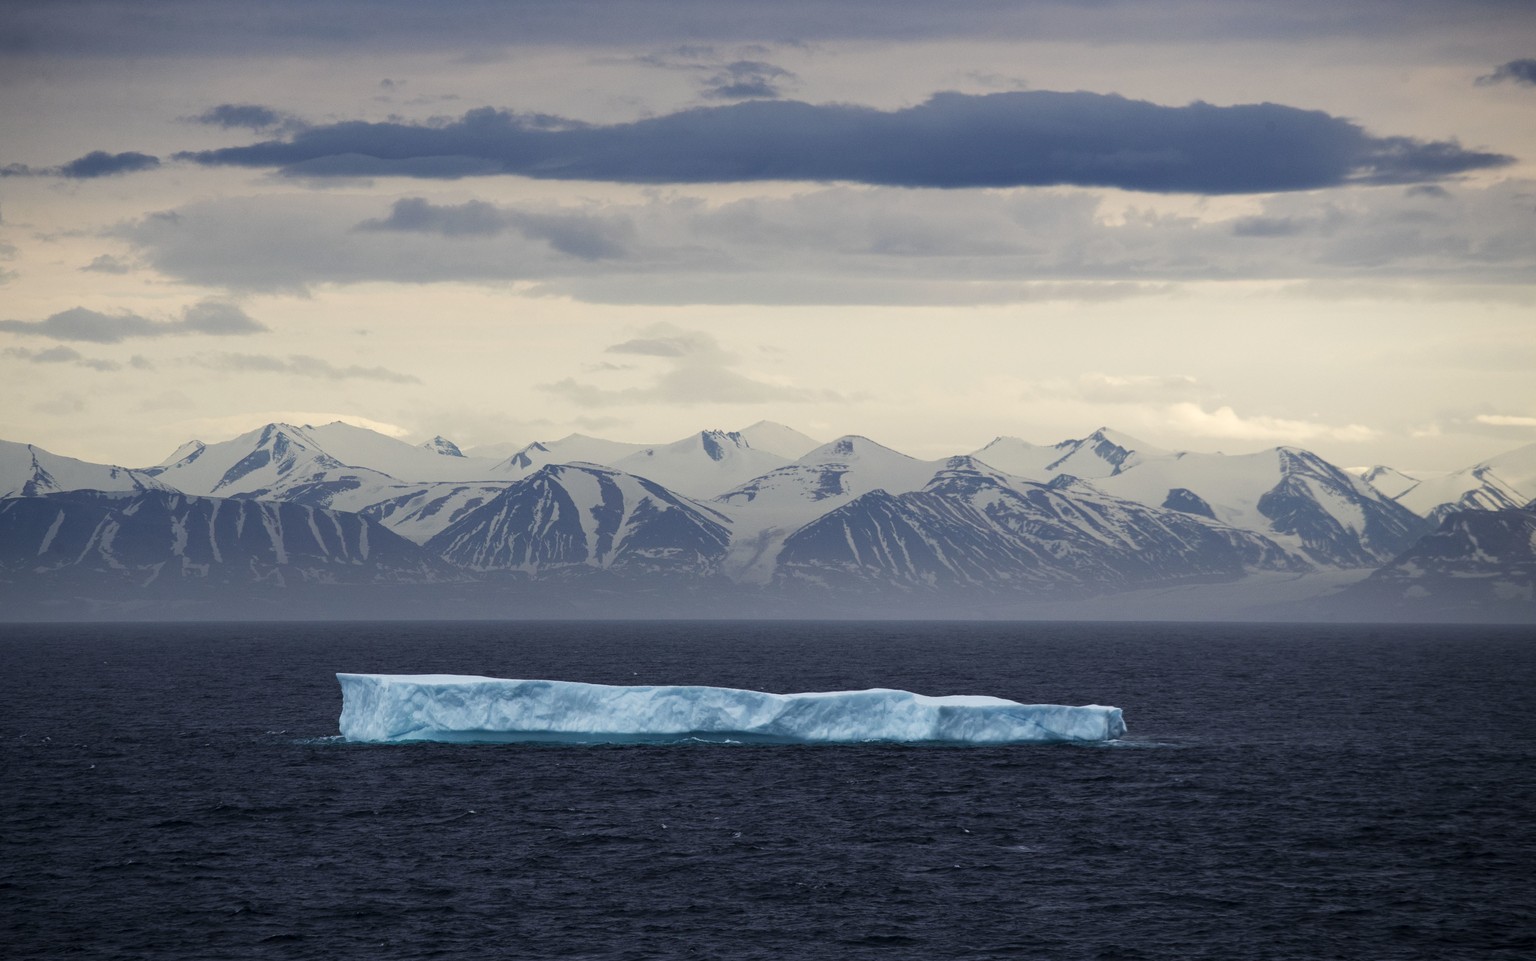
1211	224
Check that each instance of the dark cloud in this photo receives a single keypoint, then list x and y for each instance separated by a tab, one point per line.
1022	138
248	116
747	80
99	163
201	28
1522	72
301	365
61	355
211	317
578	235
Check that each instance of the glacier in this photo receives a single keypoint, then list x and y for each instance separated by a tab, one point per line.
384	708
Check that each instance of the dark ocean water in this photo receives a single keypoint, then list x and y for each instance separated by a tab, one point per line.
178	792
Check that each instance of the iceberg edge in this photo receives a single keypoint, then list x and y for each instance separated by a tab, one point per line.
390	708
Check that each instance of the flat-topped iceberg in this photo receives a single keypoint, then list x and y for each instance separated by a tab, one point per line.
451	707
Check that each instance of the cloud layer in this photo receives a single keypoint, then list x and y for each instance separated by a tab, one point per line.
847	245
1019	138
212	317
196	28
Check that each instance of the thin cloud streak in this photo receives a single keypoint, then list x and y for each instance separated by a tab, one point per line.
62	355
300	365
209	317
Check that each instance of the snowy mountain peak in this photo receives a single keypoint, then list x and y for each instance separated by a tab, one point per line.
851	445
579	518
29	471
717	442
701	465
442	445
188	452
1389	480
1103	453
1122	439
775	438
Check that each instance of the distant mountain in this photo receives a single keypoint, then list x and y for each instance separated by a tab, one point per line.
1499	483
849	526
273	459
972	528
265	463
1285	493
1103	453
442	445
418	512
775	438
1390	481
701	465
1477	564
85	547
767	509
580	518
572	449
844	468
27	470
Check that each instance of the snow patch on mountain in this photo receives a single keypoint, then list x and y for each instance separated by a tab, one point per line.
972	527
1499	483
29	471
581	517
702	464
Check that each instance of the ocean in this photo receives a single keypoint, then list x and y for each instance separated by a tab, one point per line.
1287	792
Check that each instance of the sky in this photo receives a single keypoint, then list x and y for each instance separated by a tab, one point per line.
1210	224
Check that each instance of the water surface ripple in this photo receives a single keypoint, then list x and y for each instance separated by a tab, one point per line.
178	792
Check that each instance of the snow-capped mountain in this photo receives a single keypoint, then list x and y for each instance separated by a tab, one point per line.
572	449
266	462
139	538
701	465
1286	493
1104	513
272	460
442	445
577	518
28	471
775	438
833	472
767	509
974	528
418	512
1390	481
1103	453
1499	483
1476	563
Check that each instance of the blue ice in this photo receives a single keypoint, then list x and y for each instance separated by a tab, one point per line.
464	708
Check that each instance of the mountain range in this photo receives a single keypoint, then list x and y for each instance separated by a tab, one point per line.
338	520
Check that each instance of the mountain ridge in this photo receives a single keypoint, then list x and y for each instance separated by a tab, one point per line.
849	522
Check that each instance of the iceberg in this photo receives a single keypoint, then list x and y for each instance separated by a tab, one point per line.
385	708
